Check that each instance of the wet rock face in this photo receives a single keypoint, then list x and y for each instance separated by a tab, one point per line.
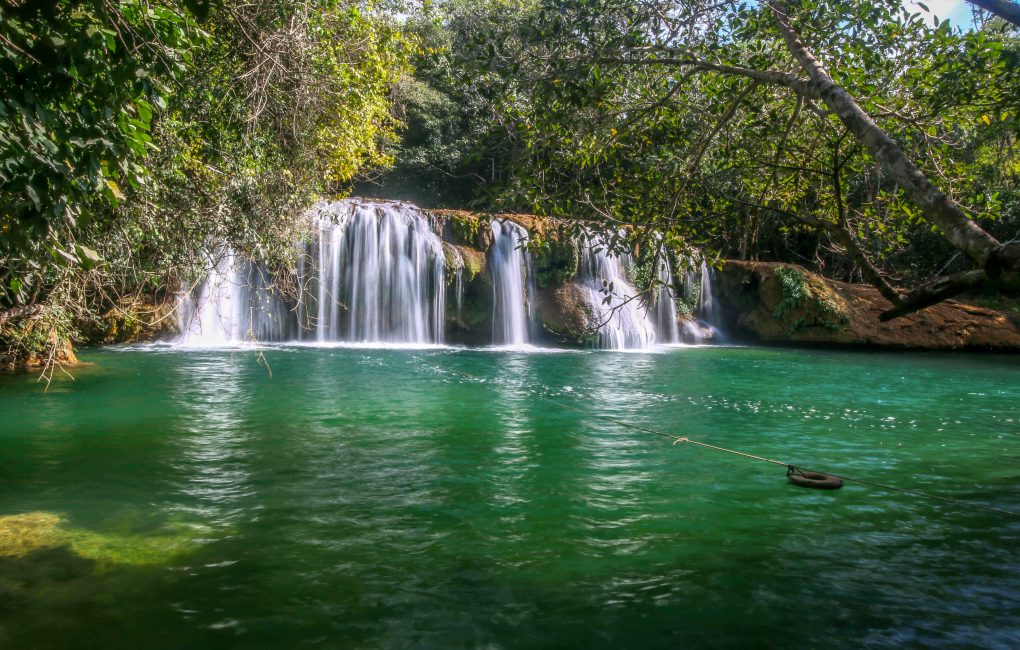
565	313
469	297
694	332
562	307
464	228
556	262
782	301
770	302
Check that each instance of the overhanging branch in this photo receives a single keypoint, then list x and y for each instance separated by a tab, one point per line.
1008	11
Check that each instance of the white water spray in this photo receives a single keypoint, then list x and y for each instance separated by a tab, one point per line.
235	303
513	290
376	274
623	320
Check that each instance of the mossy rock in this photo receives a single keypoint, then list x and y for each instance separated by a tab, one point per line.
472	323
473	262
464	228
133	320
566	314
26	533
781	302
807	301
555	260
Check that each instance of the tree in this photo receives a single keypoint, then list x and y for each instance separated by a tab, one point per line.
137	137
82	83
455	148
632	65
1004	9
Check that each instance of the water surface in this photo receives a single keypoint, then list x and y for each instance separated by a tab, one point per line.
358	497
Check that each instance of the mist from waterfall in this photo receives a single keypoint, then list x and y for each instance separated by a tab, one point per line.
623	320
235	303
373	273
513	288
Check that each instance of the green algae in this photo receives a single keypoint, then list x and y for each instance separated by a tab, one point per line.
25	533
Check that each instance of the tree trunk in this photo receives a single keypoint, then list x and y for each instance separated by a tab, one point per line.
20	313
1008	11
959	229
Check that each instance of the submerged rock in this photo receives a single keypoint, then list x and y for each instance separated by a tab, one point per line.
31	531
26	533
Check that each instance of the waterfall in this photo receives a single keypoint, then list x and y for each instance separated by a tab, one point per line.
623	321
458	288
698	295
665	306
708	311
513	290
235	303
375	274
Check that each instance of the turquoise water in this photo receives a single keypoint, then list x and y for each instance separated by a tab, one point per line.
380	498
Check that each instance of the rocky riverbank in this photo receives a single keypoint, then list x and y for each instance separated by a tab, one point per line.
755	302
35	337
766	302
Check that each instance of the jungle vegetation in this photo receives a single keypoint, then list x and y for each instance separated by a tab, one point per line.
873	142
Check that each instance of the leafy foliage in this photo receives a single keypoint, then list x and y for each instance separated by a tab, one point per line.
136	137
82	83
456	148
623	112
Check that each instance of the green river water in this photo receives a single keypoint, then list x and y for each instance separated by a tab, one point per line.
380	498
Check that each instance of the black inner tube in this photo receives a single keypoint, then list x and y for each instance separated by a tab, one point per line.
814	480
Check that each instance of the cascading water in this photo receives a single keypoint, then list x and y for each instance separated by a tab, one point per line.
623	322
707	308
513	289
665	306
698	294
376	274
235	303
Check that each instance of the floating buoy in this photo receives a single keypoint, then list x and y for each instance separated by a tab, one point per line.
815	480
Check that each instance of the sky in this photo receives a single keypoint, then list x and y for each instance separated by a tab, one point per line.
957	11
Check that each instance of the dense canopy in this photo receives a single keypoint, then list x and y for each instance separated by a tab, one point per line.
873	142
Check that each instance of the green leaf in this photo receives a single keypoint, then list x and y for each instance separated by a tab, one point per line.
68	257
88	253
33	195
115	189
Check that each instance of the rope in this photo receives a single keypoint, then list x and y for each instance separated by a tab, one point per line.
684	439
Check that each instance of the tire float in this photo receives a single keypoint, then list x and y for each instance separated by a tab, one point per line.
815	480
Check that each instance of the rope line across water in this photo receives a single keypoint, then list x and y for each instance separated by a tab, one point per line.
684	439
